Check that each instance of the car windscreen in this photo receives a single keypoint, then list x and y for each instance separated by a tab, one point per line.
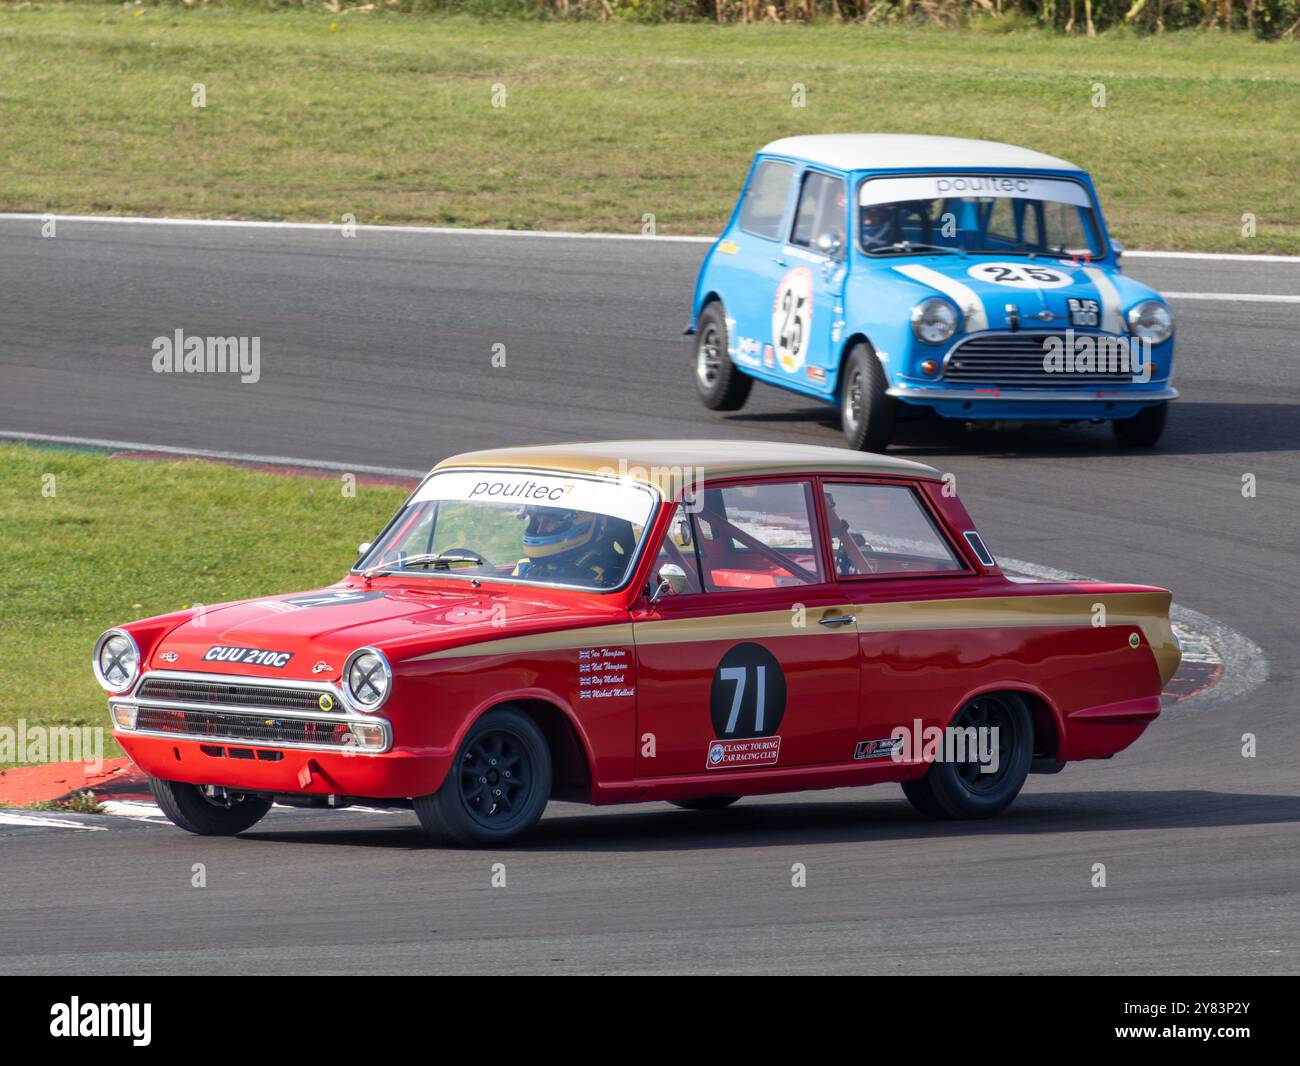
977	214
544	528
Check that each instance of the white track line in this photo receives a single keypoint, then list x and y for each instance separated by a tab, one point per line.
462	231
1234	297
35	821
206	453
1230	257
360	227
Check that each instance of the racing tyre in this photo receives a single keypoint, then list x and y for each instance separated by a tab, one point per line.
866	412
705	803
497	788
720	385
1144	428
960	790
196	811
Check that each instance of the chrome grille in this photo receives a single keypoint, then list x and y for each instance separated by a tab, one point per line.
231	694
1015	360
228	725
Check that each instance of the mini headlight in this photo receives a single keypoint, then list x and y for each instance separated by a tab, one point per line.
934	320
116	660
1151	320
367	679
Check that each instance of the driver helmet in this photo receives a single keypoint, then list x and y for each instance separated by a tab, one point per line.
876	222
552	532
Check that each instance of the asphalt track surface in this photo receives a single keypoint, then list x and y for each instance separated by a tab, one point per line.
377	350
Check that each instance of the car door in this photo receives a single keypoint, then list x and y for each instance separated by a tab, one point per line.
807	301
755	665
890	554
749	263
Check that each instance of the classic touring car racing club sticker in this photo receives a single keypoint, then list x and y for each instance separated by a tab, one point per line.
225	653
731	754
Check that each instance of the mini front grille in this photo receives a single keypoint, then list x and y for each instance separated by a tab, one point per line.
232	694
228	725
1016	360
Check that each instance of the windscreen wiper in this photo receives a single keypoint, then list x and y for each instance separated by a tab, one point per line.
913	246
440	561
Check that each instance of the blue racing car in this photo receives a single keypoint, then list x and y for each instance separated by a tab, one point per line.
895	274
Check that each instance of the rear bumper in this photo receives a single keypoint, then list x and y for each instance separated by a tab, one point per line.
254	767
992	402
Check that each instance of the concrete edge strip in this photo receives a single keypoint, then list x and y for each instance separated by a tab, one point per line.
236	223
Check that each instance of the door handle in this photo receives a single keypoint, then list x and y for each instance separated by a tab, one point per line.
778	260
837	620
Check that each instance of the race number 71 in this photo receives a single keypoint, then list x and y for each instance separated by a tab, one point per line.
739	675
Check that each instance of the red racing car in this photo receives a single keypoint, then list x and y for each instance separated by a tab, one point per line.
690	621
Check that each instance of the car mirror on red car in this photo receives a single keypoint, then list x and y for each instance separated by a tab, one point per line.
672	582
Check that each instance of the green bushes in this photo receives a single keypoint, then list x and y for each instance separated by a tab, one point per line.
1263	18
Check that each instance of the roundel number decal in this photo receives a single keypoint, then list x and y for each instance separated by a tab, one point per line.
792	312
1019	276
748	694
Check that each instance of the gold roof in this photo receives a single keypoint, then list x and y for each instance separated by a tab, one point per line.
665	463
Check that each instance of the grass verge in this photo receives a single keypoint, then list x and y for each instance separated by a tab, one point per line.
390	118
119	539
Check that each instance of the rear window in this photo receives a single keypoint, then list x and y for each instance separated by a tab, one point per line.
764	205
884	529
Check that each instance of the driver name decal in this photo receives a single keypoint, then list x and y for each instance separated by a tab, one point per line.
604	673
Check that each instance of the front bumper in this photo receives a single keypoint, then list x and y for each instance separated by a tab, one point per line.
993	402
396	774
266	735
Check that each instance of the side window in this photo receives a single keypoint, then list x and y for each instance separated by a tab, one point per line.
758	537
679	548
884	529
764	205
821	211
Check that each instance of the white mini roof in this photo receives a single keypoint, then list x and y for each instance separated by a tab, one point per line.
862	151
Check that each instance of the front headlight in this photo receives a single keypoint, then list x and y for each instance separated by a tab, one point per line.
116	660
934	320
367	679
1151	320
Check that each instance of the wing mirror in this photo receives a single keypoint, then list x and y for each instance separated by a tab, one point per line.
829	244
672	582
362	549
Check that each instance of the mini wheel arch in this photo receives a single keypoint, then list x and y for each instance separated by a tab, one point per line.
708	298
845	348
